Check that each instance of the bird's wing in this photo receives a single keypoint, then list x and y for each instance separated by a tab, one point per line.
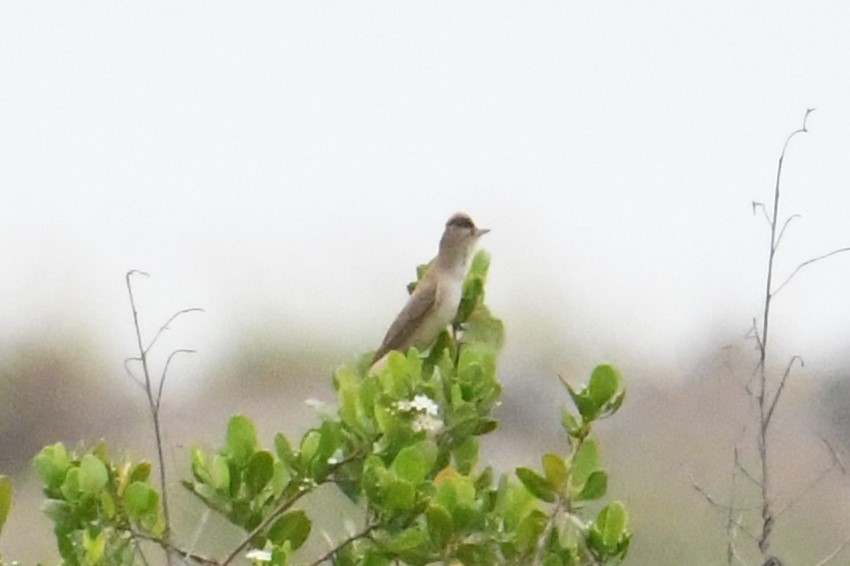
418	306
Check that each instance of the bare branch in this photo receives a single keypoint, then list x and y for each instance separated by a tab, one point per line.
747	474
834	454
807	263
165	326
811	485
713	500
782	231
769	414
357	536
130	372
197	558
760	205
164	373
828	558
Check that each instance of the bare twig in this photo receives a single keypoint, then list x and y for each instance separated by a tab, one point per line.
165	372
784	226
763	208
279	510
809	262
765	408
834	455
286	502
154	401
165	544
356	536
166	326
778	393
143	358
829	558
544	537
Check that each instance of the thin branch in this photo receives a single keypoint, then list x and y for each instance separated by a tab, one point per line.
834	455
760	205
784	226
828	558
778	393
807	263
357	536
766	409
200	526
544	537
130	372
811	485
165	372
747	474
166	326
188	555
143	357
281	508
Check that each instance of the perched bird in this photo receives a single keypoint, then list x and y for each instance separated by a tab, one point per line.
434	302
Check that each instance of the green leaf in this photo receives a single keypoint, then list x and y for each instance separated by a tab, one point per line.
586	406
609	534
93	474
529	530
595	486
399	495
555	470
94	545
347	385
71	486
220	473
284	450
52	464
141	472
536	484
329	439
293	526
616	402
260	471
440	525
241	439
473	292
60	512
604	383
310	445
140	500
466	455
413	463
485	426
585	462
572	425
406	542
107	504
199	466
5	499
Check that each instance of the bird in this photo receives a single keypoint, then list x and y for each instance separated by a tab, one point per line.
435	299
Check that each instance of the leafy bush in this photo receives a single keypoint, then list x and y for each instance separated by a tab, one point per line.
404	444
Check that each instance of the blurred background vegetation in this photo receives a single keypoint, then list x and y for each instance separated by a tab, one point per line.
677	430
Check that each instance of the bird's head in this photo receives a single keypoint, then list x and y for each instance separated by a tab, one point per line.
459	239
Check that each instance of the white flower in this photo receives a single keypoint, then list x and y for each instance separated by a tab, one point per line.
427	413
420	403
427	423
259	555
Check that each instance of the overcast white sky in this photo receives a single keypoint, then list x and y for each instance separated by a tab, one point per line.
292	162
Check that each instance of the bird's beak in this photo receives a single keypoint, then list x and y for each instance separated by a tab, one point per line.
481	231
